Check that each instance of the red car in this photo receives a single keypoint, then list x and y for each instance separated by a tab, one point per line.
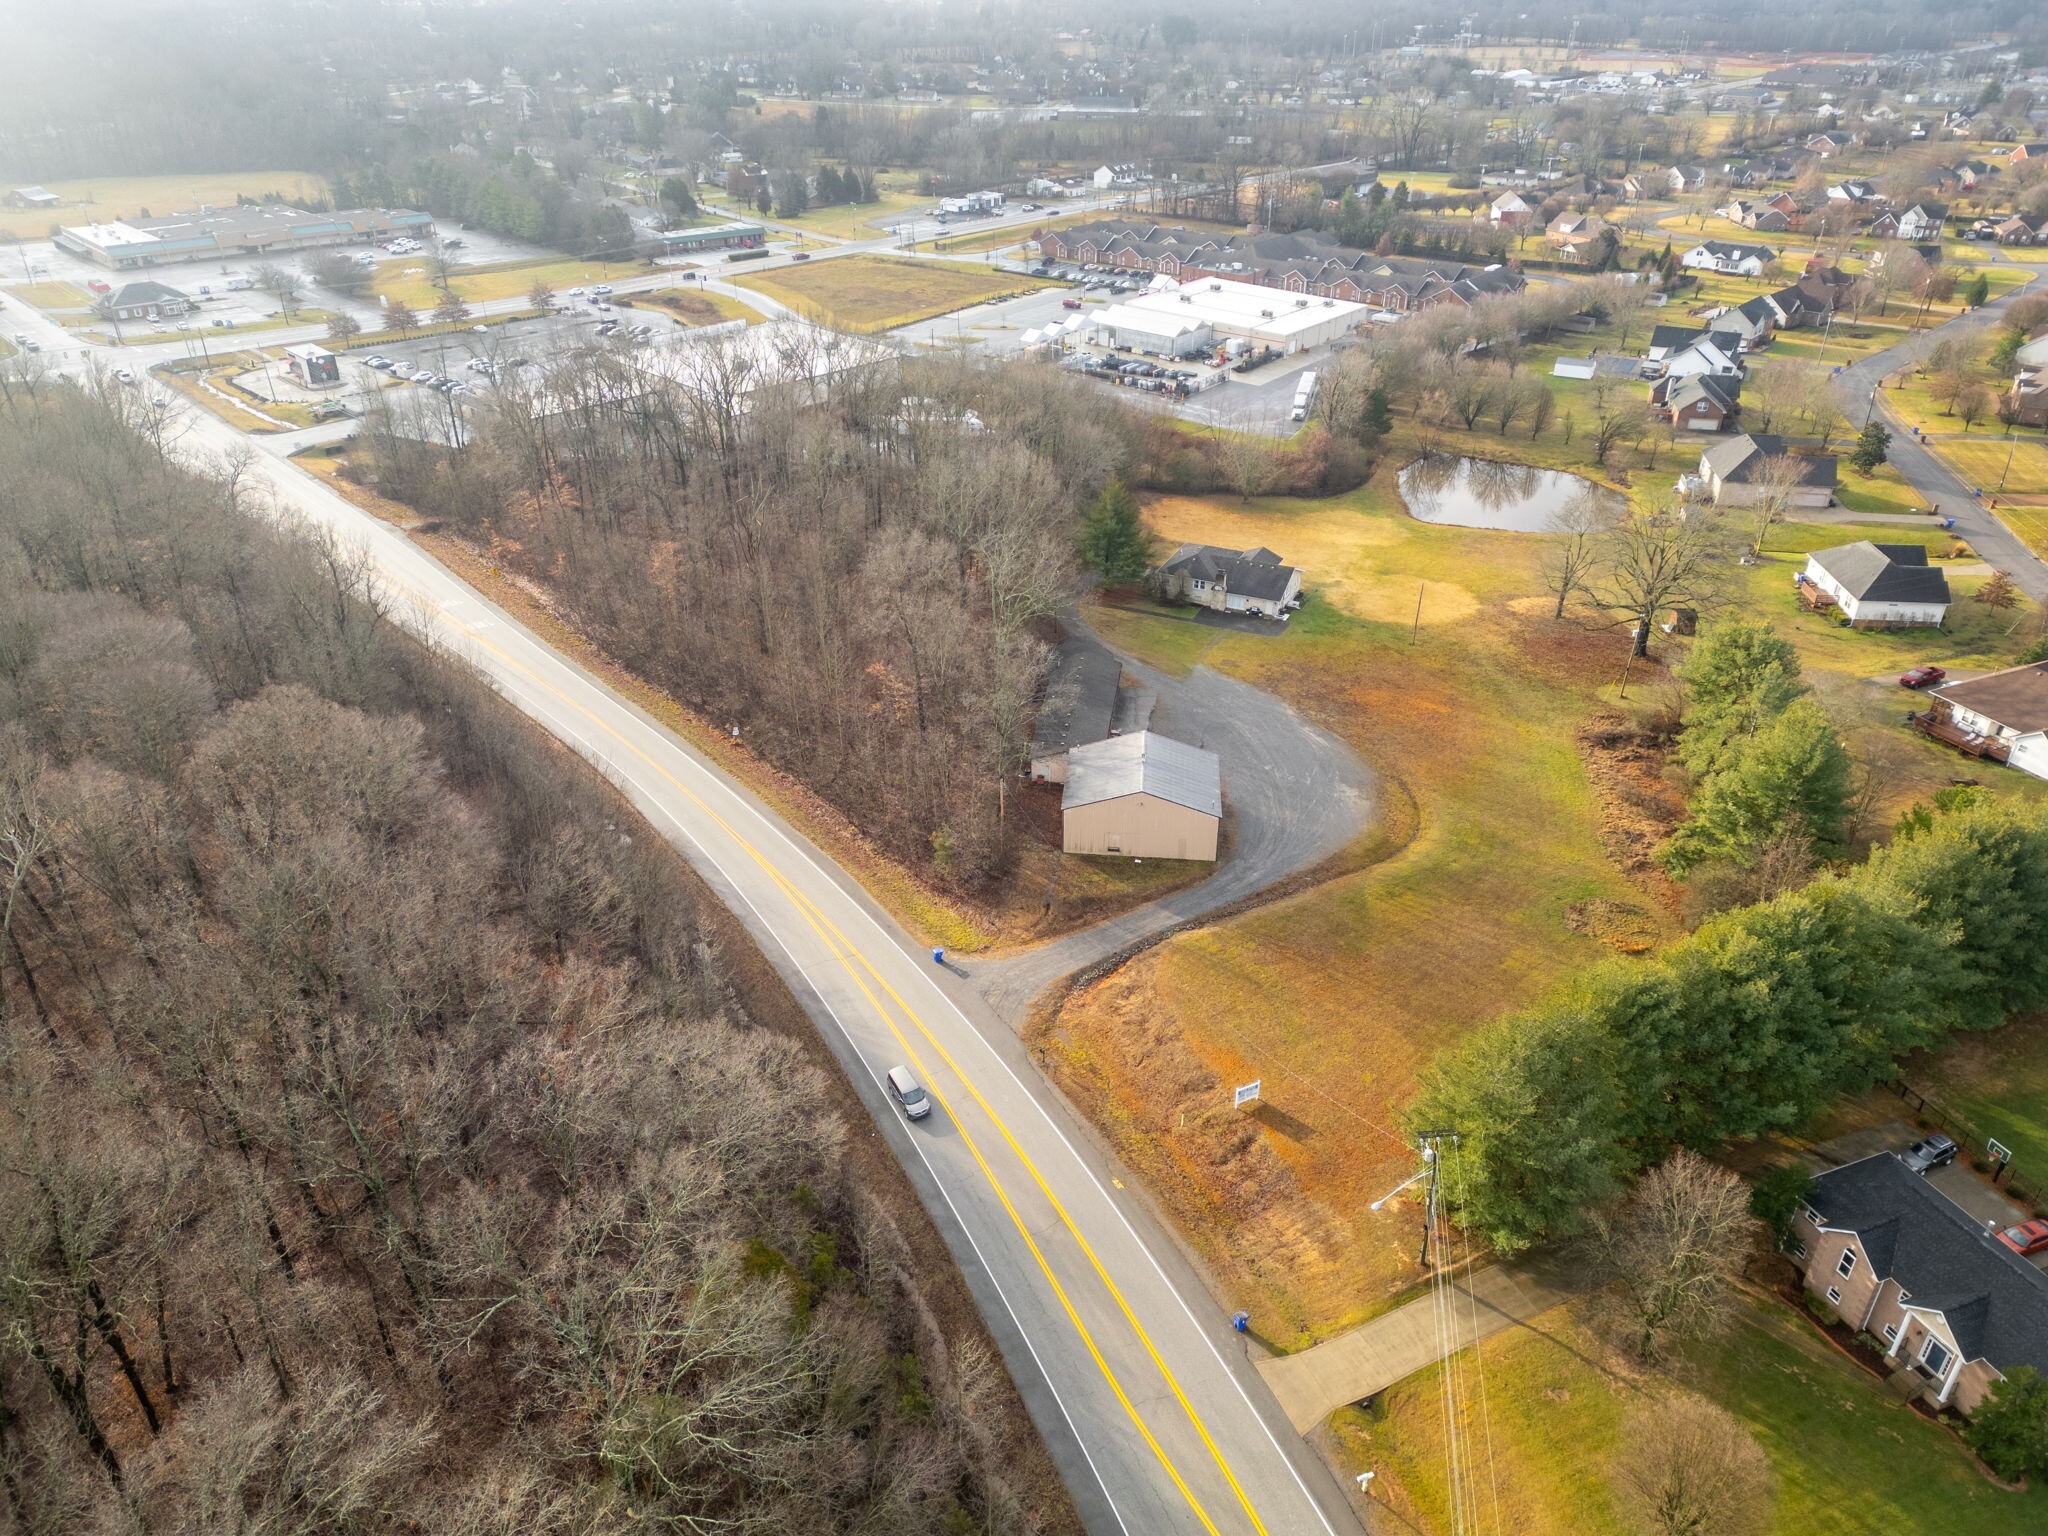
1922	677
2028	1237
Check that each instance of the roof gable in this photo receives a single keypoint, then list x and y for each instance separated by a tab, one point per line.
1144	764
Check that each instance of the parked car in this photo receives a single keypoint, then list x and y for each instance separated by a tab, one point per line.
1070	303
2028	1237
1930	1152
423	376
909	1094
1922	677
125	375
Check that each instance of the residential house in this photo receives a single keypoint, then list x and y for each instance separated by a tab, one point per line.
144	301
2026	152
1730	257
33	197
1733	473
1711	352
1230	580
1807	302
2027	399
1578	236
1877	586
1853	191
1884	227
1142	796
1667	339
2016	231
1685	178
1920	223
1753	323
1699	402
1826	146
1897	1259
1079	705
1637	186
2002	716
1510	211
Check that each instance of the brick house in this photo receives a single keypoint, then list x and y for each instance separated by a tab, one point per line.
1897	1259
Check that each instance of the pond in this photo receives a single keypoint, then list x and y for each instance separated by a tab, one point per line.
1483	493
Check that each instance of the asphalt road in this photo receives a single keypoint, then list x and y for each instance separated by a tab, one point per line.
1857	385
1143	1393
1297	794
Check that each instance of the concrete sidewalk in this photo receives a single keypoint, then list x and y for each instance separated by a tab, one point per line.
1317	1382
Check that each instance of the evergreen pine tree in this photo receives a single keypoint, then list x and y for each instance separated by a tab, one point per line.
1114	539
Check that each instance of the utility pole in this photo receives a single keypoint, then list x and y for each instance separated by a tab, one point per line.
1432	1153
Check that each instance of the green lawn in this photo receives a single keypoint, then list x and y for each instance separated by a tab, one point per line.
1999	1081
1849	1460
1169	642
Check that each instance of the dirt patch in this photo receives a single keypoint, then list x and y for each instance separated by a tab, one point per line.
1638	805
1629	928
693	308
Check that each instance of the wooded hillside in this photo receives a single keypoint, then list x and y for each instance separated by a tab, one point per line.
382	1144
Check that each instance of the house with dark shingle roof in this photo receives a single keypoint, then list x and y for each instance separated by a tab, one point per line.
1734	472
1230	580
1897	1259
2004	713
144	301
1729	256
1879	586
1698	402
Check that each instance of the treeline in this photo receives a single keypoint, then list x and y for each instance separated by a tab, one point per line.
1751	1024
858	583
385	1149
506	193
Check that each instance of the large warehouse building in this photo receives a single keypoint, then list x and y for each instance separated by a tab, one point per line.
1192	318
220	233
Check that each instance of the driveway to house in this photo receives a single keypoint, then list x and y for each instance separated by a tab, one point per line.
1296	794
1857	385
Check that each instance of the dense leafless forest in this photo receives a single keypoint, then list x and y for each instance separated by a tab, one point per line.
859	583
382	1144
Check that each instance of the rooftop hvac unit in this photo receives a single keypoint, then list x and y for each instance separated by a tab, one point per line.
1187	298
1301	303
1215	287
1265	314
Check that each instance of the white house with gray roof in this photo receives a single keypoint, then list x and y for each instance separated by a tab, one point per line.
1879	586
1735	472
1732	257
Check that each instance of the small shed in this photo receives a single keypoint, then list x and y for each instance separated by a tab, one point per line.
1142	796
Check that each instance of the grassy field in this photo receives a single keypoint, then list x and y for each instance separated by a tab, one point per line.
1848	1459
1984	462
103	198
1461	903
51	295
1488	877
878	293
412	279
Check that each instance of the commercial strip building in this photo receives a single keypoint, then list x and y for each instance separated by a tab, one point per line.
1306	262
1191	318
235	233
715	237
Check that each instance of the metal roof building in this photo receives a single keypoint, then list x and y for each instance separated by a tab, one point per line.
1142	796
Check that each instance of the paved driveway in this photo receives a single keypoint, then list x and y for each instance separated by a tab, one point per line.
1297	794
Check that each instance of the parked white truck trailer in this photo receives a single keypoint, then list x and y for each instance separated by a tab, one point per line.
1304	395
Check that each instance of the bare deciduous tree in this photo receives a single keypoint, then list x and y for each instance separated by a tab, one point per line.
1671	1249
1659	558
1687	1468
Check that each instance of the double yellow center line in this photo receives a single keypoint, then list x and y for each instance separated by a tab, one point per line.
862	971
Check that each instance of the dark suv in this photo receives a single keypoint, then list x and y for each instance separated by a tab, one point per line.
1930	1152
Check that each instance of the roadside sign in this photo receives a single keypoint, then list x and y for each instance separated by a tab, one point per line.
1246	1094
2000	1153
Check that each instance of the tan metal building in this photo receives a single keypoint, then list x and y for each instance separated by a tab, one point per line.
1144	796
